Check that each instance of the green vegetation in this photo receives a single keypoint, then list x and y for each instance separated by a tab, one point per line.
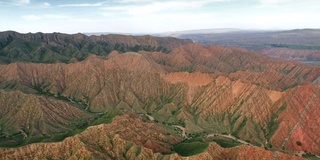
102	119
189	149
137	48
196	139
17	140
298	47
299	143
66	48
241	126
107	117
310	156
290	86
227	143
41	89
138	152
196	135
273	124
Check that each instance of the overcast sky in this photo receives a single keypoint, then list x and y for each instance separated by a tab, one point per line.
154	16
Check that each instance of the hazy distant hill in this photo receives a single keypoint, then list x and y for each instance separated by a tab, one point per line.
200	31
300	44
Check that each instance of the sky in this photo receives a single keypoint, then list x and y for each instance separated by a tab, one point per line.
155	16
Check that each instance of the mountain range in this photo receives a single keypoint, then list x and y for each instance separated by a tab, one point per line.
182	101
299	44
58	47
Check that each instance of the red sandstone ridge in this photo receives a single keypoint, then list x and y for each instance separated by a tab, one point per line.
299	124
236	63
29	117
128	137
192	79
256	105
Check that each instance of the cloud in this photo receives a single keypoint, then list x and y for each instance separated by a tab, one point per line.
130	1
151	7
289	5
45	5
31	17
165	22
14	2
99	4
286	21
87	20
47	16
274	1
187	1
21	2
54	16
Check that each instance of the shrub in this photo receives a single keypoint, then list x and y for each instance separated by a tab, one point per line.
190	149
299	143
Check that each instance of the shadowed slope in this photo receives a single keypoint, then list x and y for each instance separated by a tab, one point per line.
58	47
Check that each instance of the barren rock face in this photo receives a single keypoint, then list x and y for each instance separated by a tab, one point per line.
161	100
299	126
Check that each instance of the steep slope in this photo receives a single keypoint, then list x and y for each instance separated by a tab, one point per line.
193	92
58	47
236	63
110	141
29	118
299	123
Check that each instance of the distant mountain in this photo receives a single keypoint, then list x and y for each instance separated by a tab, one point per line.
306	56
260	40
200	102
304	43
57	47
200	31
104	33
